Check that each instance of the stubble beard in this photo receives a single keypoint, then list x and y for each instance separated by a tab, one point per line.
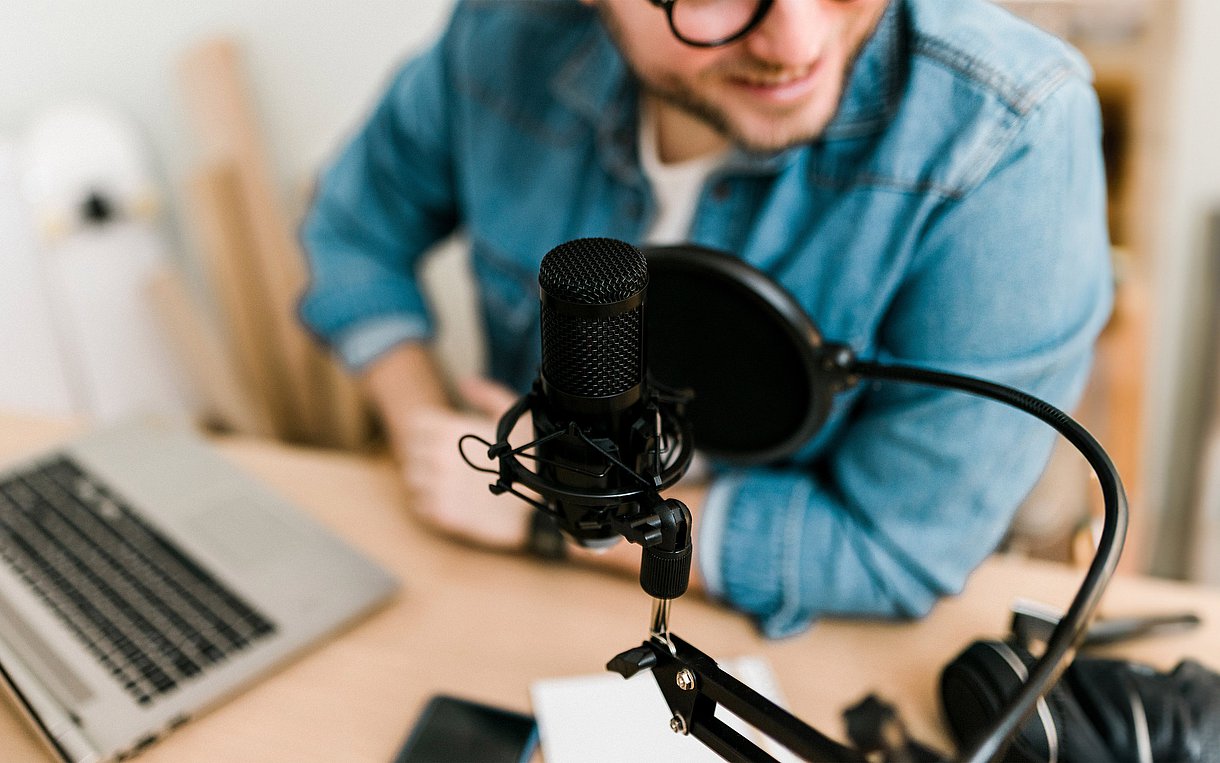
680	95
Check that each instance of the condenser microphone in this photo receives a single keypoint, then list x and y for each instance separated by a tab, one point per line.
593	408
607	440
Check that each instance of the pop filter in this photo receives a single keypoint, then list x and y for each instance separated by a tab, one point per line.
741	343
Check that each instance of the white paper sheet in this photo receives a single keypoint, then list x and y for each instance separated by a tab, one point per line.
606	718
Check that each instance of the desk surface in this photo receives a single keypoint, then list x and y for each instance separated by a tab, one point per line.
485	626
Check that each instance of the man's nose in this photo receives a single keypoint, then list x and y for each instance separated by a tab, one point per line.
792	34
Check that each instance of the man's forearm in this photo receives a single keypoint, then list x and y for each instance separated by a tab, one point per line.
404	380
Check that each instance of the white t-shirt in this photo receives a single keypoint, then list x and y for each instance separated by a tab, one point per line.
675	187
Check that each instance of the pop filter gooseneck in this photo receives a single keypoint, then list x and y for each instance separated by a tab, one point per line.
760	330
1072	628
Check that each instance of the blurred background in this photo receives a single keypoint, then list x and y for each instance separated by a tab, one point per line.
156	158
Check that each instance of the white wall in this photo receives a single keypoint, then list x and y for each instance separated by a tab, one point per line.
315	65
1181	338
315	68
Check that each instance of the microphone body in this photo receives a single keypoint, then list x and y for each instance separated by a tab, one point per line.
593	403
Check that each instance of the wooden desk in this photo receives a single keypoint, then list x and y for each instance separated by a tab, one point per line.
485	626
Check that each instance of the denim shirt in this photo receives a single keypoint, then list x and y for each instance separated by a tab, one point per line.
951	216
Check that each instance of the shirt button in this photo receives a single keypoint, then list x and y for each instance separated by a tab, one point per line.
721	190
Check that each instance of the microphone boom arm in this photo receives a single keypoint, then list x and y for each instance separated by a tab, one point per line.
693	685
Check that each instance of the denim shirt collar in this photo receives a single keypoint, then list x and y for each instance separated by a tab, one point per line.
874	85
596	83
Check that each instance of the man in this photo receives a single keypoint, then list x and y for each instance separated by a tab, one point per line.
924	176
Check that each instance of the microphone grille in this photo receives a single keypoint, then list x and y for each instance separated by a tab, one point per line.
593	271
586	356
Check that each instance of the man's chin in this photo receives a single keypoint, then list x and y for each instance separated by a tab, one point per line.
769	133
752	131
768	141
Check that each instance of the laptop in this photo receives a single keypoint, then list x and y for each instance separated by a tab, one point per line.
143	578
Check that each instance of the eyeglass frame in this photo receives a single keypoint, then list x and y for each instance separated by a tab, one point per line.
759	14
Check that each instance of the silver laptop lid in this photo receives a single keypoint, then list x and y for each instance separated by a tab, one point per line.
232	550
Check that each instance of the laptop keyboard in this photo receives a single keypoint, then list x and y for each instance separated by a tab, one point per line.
147	612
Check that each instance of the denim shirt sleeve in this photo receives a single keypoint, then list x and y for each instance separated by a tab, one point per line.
386	198
1011	283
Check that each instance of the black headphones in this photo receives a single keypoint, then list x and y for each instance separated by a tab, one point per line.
1101	710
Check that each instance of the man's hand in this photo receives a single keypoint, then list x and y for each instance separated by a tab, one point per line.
446	493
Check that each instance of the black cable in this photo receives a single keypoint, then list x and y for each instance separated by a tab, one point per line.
462	452
1072	627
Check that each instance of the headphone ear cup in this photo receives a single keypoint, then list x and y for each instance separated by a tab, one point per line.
976	685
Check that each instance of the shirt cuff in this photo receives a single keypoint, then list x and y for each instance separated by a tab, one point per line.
366	341
762	522
712	518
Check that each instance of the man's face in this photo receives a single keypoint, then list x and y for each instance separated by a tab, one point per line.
777	87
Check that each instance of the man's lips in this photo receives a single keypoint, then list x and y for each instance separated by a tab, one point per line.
781	87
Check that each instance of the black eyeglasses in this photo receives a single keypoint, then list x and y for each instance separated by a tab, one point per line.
712	23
